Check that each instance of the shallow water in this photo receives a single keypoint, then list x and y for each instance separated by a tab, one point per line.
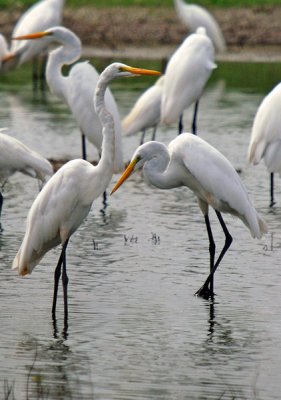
136	330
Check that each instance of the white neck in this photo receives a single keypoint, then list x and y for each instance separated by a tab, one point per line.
66	54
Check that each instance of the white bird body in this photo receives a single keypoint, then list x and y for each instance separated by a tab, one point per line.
66	199
146	111
199	166
186	74
15	156
190	161
265	139
78	87
41	16
58	211
194	16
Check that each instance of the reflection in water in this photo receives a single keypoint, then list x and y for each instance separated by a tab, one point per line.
53	371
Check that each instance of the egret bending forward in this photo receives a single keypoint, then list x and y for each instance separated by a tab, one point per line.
66	199
190	161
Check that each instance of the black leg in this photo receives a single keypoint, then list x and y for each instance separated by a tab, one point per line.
142	137
180	124
57	274
84	154
43	72
153	137
194	122
1	205
212	251
64	282
35	73
272	202
204	291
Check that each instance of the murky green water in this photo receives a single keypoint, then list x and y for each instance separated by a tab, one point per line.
136	330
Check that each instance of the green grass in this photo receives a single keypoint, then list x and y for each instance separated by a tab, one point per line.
145	3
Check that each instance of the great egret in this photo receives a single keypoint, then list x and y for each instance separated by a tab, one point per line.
145	112
186	74
190	161
265	139
41	16
77	89
66	199
193	16
16	157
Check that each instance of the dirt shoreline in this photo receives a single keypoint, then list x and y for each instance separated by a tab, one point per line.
137	31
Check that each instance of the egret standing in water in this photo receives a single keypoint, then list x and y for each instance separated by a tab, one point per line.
77	88
265	139
145	112
190	161
186	75
42	15
66	199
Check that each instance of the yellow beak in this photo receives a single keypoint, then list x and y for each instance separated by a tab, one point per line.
36	35
140	71
128	171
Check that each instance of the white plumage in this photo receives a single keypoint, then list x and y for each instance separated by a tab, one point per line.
190	161
193	16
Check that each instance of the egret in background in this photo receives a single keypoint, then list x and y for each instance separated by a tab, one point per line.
77	88
41	16
265	139
16	157
190	161
193	16
145	112
66	199
186	74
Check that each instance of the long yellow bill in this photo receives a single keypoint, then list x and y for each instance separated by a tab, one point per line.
35	35
140	71
128	171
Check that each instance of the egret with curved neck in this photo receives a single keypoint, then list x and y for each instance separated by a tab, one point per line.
190	161
66	199
77	88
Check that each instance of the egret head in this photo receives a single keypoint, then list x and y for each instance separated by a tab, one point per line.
147	152
117	69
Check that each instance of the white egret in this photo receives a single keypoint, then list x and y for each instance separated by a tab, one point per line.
41	16
265	139
186	74
193	16
77	89
190	161
16	157
66	199
146	112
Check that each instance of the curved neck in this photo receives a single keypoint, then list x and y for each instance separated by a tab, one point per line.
66	54
156	170
106	162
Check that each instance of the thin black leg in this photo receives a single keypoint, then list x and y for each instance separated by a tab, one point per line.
180	124
204	291
35	73
194	122
64	282
43	72
142	136
272	202
84	154
57	274
1	205
153	137
212	251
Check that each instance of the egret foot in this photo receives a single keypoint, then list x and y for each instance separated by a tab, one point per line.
205	292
